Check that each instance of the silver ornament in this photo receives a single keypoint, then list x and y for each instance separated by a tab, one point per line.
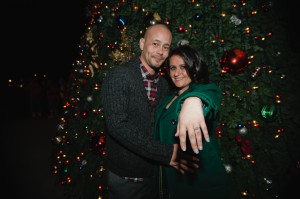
228	168
243	130
89	98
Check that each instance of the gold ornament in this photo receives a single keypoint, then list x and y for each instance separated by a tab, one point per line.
58	139
92	70
124	52
116	55
156	17
95	64
93	47
89	37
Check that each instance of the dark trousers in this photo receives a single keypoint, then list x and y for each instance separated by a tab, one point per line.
121	188
163	184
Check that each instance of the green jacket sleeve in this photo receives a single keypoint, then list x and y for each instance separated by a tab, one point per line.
210	94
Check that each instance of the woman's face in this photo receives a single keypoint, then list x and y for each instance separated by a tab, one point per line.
178	74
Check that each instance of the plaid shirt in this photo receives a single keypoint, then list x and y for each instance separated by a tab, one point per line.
150	83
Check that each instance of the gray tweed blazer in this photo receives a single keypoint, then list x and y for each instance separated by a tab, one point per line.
129	118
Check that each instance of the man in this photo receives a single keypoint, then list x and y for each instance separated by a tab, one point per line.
131	93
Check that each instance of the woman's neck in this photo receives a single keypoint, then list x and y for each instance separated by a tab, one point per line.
180	91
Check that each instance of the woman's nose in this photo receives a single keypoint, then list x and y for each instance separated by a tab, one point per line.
177	72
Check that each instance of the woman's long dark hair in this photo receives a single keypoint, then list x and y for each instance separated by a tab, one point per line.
194	62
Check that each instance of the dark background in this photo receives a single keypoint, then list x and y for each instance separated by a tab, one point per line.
290	12
37	37
40	36
43	37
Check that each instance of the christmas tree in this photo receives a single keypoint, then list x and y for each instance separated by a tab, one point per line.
244	43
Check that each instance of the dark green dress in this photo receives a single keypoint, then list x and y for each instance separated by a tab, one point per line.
210	181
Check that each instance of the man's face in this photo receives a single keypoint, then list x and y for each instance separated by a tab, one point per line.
155	47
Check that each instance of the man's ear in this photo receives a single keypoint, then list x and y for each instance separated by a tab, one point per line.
142	42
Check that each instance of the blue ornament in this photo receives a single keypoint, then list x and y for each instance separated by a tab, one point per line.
198	16
121	22
239	125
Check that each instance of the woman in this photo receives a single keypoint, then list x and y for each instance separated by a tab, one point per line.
190	76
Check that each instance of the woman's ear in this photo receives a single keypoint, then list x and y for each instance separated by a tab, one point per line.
142	42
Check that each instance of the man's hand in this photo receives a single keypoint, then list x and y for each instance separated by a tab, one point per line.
191	119
182	161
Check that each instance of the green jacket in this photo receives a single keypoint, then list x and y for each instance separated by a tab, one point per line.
210	95
210	181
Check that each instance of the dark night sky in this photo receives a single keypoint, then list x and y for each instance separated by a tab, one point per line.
43	36
290	12
40	36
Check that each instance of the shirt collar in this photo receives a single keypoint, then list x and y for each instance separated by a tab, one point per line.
146	74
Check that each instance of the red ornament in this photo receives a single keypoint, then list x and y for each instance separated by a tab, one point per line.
246	150
83	81
245	145
83	114
234	61
180	29
218	131
239	139
97	143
